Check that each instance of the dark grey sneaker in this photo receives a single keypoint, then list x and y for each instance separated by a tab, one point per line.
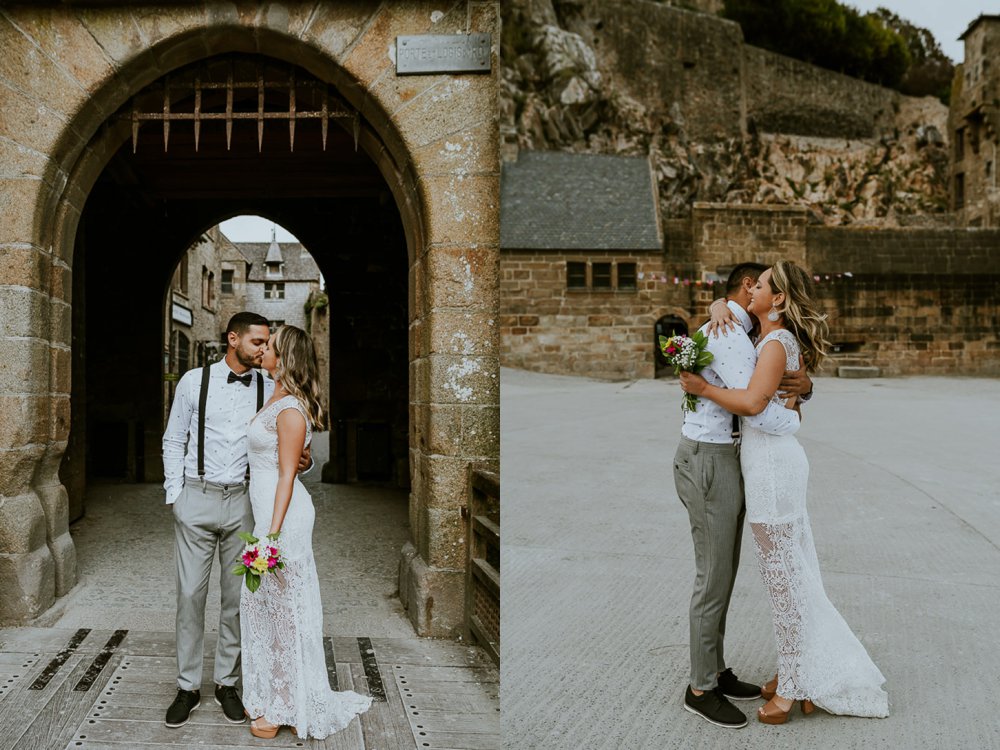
227	697
713	707
180	710
736	690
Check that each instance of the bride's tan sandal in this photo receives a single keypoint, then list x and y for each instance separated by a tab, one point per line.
266	732
769	688
772	713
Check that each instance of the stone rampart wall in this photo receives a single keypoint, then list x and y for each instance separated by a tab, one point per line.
784	95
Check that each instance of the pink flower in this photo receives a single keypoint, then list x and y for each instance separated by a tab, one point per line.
248	559
272	562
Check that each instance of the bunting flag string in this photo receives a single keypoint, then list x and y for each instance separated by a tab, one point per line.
676	280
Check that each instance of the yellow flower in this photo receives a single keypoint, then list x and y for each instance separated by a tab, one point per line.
260	565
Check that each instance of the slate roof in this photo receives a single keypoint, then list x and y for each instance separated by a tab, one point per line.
551	200
297	266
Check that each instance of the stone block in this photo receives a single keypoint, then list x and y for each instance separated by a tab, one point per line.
19	198
63	553
464	379
24	366
58	32
60	370
443	434
446	531
26	420
55	505
481	431
463	277
858	372
61	323
22	524
19	465
462	333
336	26
445	481
456	105
435	598
28	583
24	265
35	74
471	150
461	210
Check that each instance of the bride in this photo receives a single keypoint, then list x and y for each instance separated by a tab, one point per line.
284	668
820	661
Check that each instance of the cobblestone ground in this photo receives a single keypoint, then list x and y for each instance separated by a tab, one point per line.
98	670
597	564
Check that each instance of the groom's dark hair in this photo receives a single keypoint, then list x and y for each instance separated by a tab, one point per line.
743	271
241	321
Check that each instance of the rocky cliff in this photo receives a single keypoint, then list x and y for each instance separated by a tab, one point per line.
641	77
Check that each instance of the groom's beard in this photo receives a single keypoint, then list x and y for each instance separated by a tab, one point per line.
247	360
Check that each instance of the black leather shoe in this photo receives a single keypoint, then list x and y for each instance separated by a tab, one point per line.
735	690
180	710
713	707
227	697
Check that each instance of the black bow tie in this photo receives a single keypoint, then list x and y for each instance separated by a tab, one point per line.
244	379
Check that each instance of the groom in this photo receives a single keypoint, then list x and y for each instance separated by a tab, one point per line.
710	485
205	465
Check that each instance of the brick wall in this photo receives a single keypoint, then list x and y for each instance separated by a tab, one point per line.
919	301
599	333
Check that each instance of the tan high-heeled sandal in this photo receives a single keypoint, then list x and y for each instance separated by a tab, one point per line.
778	716
769	688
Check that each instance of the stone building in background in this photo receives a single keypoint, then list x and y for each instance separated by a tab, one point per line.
280	280
580	247
974	121
217	278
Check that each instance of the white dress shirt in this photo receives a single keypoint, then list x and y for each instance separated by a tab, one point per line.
733	364
228	411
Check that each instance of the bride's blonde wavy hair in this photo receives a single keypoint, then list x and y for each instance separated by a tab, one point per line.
298	371
802	316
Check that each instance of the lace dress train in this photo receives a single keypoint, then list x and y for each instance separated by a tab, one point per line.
819	657
284	664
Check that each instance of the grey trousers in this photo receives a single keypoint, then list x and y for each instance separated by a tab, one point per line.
709	483
206	520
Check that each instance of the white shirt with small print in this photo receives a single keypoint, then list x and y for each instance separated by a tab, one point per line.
734	359
228	411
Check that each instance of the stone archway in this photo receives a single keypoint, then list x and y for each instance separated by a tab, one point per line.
434	139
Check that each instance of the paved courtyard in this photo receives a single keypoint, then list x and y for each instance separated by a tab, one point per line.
597	564
98	670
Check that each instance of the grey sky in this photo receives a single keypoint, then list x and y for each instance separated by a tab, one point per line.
946	19
254	229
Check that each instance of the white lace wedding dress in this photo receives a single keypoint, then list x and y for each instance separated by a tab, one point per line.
284	666
818	656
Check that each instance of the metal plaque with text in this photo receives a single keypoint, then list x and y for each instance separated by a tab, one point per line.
442	53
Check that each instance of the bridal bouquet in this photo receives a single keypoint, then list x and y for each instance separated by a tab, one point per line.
258	559
687	353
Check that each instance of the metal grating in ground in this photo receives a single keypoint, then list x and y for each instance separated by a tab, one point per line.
431	696
108	690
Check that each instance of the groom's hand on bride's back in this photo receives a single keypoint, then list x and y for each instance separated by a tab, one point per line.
795	382
305	460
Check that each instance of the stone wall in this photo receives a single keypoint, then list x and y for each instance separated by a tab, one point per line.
599	333
784	95
908	301
919	301
430	148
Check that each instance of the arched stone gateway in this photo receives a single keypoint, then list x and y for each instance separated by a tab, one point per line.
68	69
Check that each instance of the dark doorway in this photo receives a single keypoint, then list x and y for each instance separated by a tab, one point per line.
668	325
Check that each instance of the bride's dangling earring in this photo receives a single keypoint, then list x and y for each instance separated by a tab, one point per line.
773	315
